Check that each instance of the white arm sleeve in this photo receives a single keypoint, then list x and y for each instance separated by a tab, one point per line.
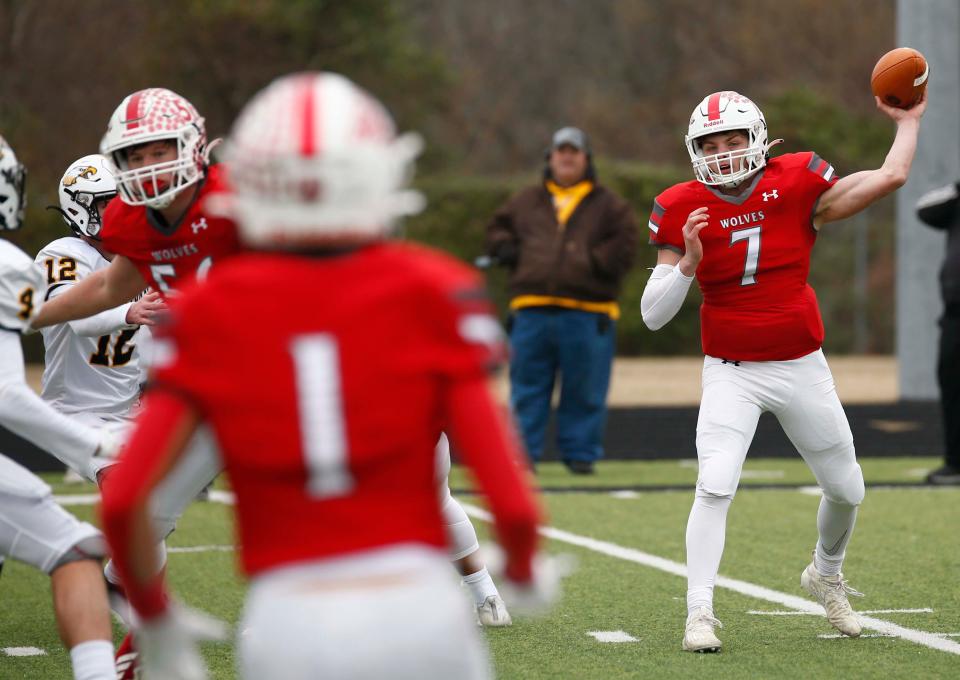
28	416
663	295
103	323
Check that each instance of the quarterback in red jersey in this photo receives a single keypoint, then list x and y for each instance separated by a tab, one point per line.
745	227
329	438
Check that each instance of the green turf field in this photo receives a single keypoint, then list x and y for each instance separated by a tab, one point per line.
904	556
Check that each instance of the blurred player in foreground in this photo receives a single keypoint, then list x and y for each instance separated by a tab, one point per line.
328	434
746	228
34	529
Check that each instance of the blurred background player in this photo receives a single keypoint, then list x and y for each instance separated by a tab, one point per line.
940	209
568	242
91	366
33	528
746	227
161	237
465	548
330	445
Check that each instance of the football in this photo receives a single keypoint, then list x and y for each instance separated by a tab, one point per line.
900	77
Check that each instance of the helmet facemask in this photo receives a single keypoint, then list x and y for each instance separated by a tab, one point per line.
83	217
751	158
158	185
13	181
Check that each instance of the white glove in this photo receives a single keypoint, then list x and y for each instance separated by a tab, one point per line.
542	592
168	644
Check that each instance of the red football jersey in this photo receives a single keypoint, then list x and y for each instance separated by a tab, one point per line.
757	304
167	257
324	380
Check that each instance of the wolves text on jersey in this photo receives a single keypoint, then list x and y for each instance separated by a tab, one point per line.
174	253
742	220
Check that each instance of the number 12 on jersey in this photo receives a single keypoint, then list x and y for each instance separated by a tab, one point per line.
752	236
316	360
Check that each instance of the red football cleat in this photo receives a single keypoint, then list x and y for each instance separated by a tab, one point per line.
127	661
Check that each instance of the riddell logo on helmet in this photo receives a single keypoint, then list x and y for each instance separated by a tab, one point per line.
712	123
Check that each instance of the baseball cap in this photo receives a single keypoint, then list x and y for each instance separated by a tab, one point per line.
572	136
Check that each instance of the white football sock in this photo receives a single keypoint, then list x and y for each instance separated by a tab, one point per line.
706	530
93	660
835	523
481	585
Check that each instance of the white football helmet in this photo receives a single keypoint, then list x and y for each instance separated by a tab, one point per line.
13	180
313	157
86	188
148	116
721	112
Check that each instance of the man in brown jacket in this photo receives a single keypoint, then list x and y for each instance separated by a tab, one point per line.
568	243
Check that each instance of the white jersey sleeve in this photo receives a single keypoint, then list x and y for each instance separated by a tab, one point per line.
23	288
91	365
25	414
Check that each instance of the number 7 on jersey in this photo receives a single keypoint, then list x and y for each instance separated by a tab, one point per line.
752	236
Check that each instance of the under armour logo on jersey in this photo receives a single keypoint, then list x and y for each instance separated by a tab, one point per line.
772	194
202	222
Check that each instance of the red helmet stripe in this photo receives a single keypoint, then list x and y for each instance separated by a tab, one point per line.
713	107
132	115
308	142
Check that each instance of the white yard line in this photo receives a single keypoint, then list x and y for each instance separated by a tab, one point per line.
612	636
920	637
201	549
836	636
78	499
922	610
24	651
225	497
624	495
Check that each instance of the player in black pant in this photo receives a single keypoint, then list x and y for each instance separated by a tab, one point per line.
940	209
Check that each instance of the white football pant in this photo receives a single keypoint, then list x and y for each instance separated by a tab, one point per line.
802	395
34	529
395	613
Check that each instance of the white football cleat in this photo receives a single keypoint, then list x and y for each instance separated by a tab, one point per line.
493	613
698	636
831	592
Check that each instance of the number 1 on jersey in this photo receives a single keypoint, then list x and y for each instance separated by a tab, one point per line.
752	235
316	359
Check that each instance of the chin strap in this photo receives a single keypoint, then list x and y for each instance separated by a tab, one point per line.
772	144
213	144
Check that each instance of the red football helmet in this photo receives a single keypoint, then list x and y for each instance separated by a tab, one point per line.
313	156
152	115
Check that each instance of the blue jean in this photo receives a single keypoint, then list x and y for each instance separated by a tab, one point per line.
545	341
